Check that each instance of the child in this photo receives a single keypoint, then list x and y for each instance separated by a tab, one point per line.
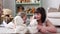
20	23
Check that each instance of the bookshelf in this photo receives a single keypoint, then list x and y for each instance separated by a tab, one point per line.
27	5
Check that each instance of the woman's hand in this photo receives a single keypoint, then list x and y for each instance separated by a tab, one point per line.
42	29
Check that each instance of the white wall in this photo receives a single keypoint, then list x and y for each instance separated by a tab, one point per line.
45	3
50	3
9	4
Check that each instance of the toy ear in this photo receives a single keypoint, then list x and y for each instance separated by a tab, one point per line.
7	12
3	16
11	16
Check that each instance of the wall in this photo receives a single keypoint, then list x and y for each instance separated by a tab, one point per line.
45	3
50	3
0	11
10	4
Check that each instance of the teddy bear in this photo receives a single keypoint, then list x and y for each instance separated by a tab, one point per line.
7	15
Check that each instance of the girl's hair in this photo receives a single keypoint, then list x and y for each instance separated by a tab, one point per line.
42	11
22	14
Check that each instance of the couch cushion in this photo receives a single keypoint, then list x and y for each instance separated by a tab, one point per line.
54	21
52	10
53	14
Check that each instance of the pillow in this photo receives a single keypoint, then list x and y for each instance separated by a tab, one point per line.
55	22
52	10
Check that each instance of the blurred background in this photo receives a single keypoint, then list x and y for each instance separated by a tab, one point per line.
52	8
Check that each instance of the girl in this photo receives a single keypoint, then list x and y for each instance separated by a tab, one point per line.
20	23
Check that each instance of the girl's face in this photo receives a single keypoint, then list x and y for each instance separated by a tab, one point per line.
24	18
38	16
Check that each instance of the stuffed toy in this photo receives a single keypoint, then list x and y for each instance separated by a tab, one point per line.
7	15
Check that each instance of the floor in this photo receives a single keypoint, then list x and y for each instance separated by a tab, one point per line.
10	31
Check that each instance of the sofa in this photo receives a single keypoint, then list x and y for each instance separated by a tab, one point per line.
53	15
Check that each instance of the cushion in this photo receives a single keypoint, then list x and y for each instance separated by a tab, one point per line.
53	14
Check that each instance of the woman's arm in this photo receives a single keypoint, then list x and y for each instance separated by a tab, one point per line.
50	27
48	23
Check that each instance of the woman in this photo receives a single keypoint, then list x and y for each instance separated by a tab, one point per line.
44	25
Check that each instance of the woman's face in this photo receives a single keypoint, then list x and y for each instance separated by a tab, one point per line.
38	16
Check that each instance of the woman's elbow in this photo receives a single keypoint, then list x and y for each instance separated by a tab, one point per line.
53	30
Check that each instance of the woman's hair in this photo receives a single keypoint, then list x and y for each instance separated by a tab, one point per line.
42	11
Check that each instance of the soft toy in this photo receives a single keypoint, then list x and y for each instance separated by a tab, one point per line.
7	15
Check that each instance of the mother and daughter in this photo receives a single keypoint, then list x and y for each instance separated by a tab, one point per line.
39	22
